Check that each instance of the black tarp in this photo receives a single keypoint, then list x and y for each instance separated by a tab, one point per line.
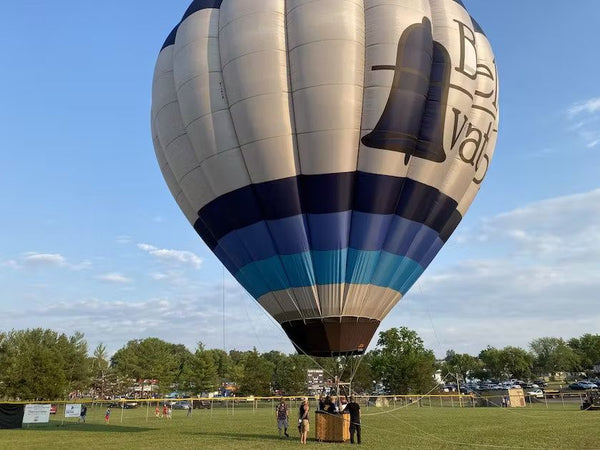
11	416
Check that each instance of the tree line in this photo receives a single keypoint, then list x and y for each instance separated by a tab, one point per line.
41	364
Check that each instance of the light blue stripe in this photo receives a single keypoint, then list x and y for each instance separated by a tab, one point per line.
333	267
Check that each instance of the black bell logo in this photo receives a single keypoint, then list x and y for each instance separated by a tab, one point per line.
413	119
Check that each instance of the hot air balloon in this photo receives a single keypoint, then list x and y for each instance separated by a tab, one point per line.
325	150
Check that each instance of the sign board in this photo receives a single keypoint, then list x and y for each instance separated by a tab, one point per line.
36	414
315	381
72	410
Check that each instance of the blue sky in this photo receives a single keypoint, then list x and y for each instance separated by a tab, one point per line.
92	240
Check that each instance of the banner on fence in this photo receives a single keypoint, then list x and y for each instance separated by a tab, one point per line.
72	410
36	414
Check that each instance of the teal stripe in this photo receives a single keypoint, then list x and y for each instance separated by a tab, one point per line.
349	266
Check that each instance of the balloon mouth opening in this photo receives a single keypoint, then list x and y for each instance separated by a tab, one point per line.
331	336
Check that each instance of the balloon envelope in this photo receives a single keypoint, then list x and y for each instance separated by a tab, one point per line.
325	150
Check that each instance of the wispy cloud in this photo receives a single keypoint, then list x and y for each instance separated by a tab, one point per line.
114	278
33	260
590	106
179	319
584	118
44	260
173	256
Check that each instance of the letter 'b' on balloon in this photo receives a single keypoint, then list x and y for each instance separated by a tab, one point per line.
325	150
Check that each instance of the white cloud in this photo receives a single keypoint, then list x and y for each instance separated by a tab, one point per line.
589	106
44	260
33	260
173	256
115	278
585	121
178	319
124	239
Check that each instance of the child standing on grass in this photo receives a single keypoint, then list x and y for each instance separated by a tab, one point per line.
107	416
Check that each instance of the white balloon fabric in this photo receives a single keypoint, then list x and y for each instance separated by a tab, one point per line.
325	150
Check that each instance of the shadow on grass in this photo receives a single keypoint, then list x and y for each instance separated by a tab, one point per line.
242	436
86	427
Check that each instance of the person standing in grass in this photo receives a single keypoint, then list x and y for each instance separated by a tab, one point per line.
107	416
282	414
303	421
83	413
354	409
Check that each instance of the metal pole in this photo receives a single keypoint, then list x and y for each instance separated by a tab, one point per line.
147	410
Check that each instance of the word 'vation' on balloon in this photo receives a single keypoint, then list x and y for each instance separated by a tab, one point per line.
325	150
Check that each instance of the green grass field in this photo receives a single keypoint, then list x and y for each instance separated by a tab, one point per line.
537	427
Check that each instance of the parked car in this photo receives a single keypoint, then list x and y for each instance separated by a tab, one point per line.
582	385
184	404
538	393
201	404
541	383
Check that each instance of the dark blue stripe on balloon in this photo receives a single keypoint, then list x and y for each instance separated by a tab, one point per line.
460	3
477	27
325	194
197	5
328	232
170	38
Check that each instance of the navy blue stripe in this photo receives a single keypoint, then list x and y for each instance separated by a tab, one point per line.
170	38
326	194
197	5
477	27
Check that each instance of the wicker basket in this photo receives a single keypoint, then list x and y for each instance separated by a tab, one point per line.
332	427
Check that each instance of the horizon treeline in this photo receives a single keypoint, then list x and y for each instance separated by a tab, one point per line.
42	364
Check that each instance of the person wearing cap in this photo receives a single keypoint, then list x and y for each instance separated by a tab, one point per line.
303	422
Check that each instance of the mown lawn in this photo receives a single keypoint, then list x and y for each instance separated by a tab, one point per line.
537	427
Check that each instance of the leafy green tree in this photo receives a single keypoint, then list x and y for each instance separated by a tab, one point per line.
402	363
151	358
238	362
357	370
462	364
223	364
516	363
290	374
41	364
75	360
492	362
256	375
587	347
204	376
99	368
554	355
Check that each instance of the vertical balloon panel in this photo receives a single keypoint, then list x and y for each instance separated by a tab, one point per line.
326	54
